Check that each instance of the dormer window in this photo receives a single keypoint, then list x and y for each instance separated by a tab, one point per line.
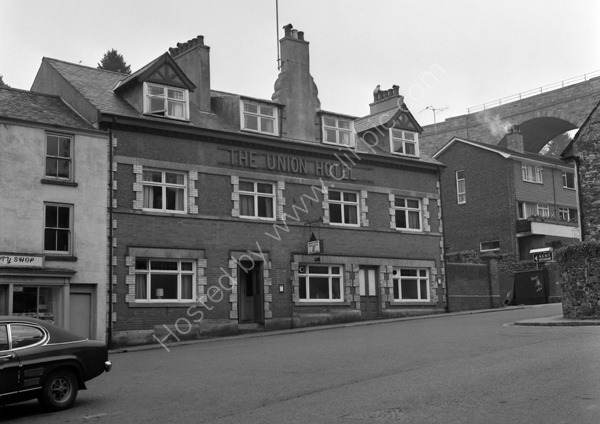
337	131
169	102
258	117
403	142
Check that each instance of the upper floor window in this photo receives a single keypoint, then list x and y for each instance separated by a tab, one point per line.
408	213
257	200
259	117
532	173
404	142
321	283
343	207
461	190
567	214
568	180
337	131
164	191
411	284
59	157
161	280
58	228
169	102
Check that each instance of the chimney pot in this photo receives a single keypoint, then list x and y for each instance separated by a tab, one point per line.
288	30
301	35
294	33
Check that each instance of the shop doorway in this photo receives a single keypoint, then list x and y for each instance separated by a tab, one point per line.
250	292
81	314
369	300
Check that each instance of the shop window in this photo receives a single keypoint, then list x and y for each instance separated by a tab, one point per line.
41	302
257	199
168	102
337	131
343	207
58	228
258	117
59	163
408	213
404	142
164	280
164	191
411	284
321	283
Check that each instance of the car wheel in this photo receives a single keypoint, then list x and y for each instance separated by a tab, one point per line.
59	390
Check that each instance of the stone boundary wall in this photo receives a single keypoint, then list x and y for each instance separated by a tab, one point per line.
579	266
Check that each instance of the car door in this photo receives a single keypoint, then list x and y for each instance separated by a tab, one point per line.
26	340
9	366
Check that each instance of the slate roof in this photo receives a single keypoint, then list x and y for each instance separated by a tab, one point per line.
504	151
39	108
97	85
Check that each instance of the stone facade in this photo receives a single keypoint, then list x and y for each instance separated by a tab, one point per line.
580	270
580	265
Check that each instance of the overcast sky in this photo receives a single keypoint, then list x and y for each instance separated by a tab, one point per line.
443	54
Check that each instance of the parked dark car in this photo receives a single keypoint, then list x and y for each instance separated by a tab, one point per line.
43	361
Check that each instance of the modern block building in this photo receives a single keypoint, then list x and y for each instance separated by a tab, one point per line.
502	199
232	213
53	219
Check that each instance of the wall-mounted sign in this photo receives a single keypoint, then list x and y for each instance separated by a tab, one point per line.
542	255
314	247
21	261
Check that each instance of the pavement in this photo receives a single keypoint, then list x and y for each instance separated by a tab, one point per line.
552	321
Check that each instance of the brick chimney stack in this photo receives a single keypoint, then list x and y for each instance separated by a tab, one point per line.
386	99
296	89
194	59
514	139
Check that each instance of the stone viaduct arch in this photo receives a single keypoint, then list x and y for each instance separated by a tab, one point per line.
540	117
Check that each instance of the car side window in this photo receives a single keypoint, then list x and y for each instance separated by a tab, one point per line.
3	337
24	335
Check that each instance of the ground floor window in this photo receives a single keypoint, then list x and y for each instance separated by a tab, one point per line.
36	301
322	283
411	284
160	280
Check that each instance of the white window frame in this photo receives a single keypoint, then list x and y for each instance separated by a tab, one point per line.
461	187
164	112
304	276
343	205
164	185
336	125
260	116
484	248
408	210
565	179
57	157
543	210
564	213
56	228
422	276
257	195
532	173
403	138
148	272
